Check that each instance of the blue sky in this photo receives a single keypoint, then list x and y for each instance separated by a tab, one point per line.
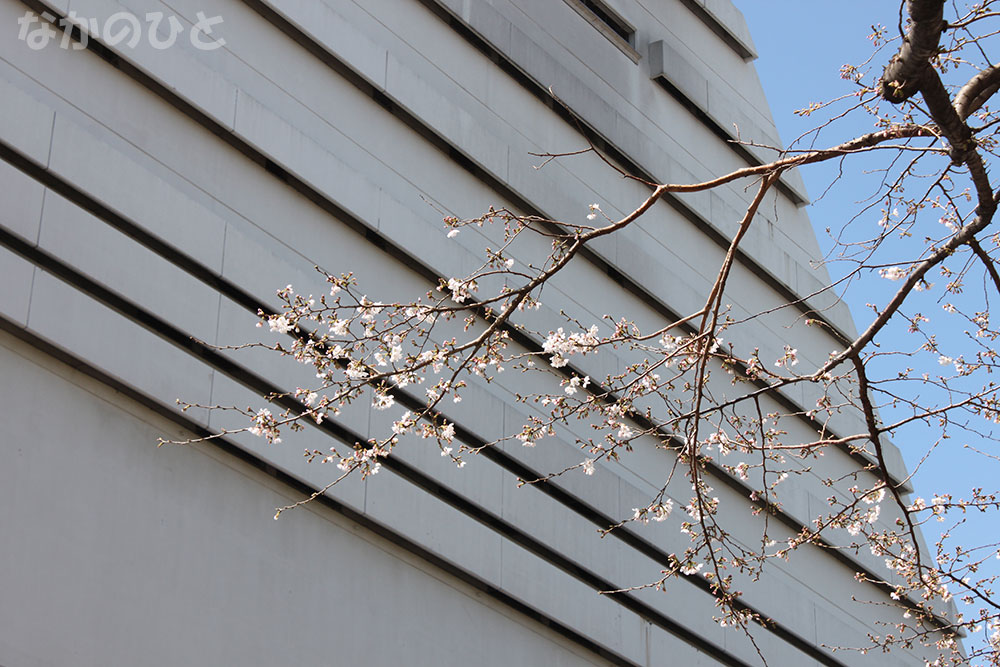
802	45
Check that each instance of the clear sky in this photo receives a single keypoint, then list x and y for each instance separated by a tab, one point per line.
802	45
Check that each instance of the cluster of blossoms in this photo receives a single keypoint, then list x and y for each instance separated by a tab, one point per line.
869	516
698	509
657	511
280	324
892	273
264	425
683	352
691	568
318	407
561	345
357	345
938	506
287	321
789	359
741	470
533	431
383	400
718	439
460	290
573	384
443	432
363	459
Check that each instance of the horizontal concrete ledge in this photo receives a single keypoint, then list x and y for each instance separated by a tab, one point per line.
664	62
727	22
626	46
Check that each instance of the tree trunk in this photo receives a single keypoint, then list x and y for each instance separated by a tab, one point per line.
902	76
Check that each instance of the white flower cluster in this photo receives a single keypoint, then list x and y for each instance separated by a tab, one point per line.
404	423
280	324
901	561
531	433
408	422
298	308
368	309
421	314
656	512
560	345
670	343
395	354
575	383
685	350
364	459
790	359
356	370
691	568
937	506
265	426
317	406
719	439
461	290
648	383
870	516
382	401
875	497
892	273
947	222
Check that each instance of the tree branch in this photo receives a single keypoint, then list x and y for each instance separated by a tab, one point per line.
902	76
987	262
977	91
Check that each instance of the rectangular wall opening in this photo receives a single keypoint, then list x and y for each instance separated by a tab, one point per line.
619	31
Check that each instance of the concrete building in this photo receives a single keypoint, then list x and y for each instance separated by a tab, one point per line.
154	197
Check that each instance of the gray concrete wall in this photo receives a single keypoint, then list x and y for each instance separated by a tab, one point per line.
151	196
